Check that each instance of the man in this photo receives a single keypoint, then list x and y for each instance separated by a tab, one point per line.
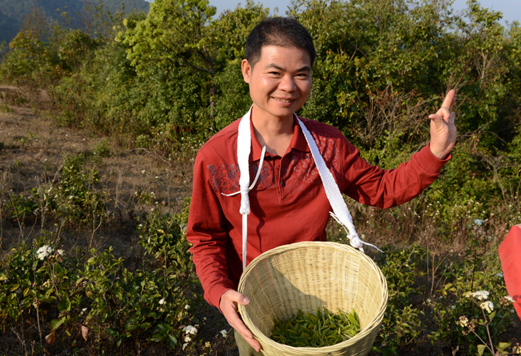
288	202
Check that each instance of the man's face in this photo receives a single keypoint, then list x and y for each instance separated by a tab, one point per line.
280	82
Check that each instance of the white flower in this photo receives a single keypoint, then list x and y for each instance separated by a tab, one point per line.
207	344
185	345
190	329
478	222
224	332
84	310
481	295
162	301
44	251
60	252
143	171
463	321
500	275
188	338
453	307
187	307
510	299
488	306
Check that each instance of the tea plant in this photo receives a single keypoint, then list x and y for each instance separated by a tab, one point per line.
39	283
488	312
401	324
161	236
478	270
132	305
73	199
319	330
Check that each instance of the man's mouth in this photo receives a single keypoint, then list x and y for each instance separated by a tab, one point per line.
284	100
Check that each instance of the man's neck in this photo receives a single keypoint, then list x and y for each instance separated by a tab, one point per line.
272	132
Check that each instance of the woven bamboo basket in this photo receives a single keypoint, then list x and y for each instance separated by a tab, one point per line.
307	275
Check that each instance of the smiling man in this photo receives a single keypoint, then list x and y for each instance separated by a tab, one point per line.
287	202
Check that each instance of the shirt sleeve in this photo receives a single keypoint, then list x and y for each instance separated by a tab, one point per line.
510	256
373	186
207	231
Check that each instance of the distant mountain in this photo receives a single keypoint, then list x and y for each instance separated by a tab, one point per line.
12	12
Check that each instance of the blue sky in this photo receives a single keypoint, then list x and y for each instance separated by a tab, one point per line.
511	9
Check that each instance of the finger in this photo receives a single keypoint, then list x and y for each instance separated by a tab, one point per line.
436	120
444	112
238	324
235	321
253	343
452	117
229	310
448	101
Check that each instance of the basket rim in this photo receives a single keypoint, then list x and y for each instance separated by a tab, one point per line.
374	323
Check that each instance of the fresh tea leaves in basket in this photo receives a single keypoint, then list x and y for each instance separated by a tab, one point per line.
322	329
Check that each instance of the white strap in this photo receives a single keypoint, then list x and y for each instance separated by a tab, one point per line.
340	211
263	153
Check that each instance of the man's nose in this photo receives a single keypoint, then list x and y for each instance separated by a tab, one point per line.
287	83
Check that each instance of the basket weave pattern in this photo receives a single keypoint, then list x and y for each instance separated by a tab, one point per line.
308	275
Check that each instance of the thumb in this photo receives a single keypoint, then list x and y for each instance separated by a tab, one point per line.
238	297
437	121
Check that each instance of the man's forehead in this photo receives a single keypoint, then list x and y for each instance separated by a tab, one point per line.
271	49
277	66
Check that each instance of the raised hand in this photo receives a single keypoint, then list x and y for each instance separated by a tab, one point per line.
228	306
443	130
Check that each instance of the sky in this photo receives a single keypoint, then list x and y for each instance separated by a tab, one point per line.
511	9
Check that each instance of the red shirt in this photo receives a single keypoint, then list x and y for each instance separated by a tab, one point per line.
288	203
510	255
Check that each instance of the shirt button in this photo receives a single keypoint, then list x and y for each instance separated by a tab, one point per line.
283	184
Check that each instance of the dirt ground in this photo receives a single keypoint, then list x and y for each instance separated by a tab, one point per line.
32	151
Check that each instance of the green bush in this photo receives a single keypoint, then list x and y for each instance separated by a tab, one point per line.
71	293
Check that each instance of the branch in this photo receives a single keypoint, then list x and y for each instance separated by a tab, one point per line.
197	68
153	153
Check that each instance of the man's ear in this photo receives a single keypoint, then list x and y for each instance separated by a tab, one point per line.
246	70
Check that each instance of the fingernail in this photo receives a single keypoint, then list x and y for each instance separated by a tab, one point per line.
246	300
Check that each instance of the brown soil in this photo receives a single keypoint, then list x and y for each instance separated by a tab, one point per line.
33	149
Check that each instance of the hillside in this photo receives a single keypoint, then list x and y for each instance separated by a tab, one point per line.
12	12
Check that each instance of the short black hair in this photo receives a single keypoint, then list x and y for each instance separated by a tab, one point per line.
278	31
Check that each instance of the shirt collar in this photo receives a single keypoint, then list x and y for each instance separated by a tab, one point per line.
298	141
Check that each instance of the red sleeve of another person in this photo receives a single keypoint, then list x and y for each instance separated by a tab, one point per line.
510	255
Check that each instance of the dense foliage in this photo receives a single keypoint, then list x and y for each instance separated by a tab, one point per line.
173	74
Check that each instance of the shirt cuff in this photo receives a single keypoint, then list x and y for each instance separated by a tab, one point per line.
429	162
215	293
